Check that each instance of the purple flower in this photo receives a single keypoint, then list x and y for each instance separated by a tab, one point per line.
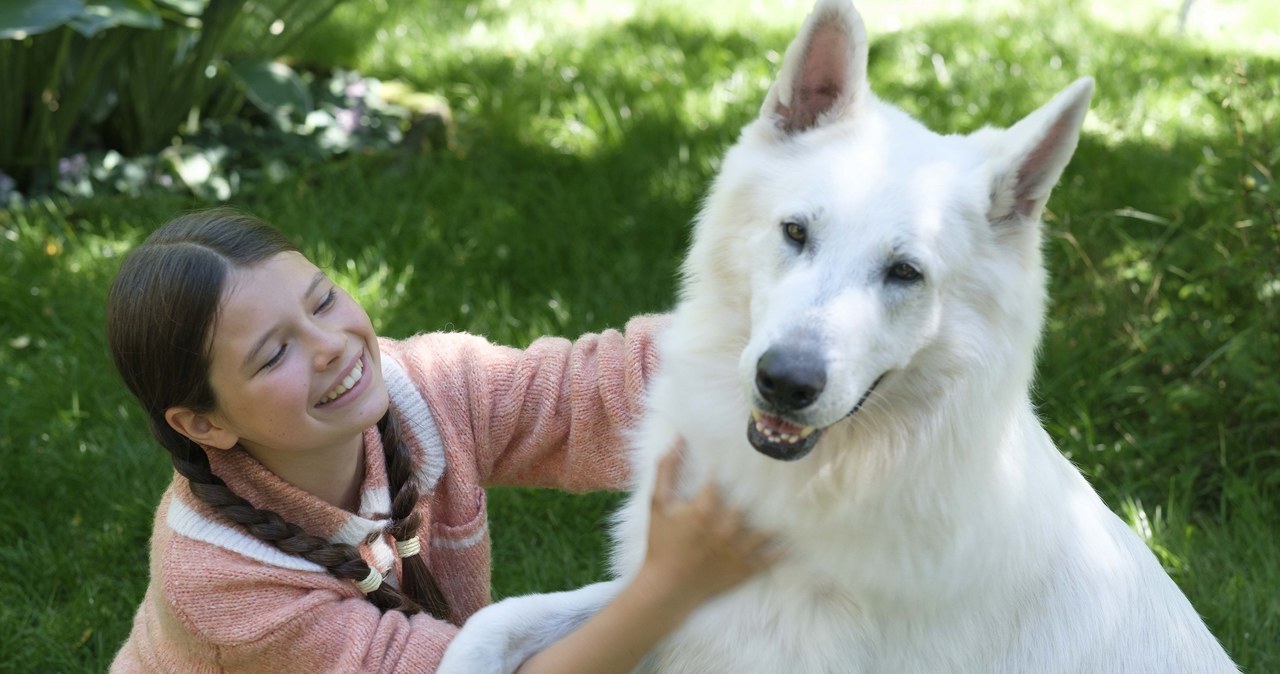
73	168
348	120
357	88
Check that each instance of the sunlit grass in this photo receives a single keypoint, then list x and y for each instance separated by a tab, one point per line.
516	28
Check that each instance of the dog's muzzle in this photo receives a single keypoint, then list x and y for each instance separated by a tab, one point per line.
778	438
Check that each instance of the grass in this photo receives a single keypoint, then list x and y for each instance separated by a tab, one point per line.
586	135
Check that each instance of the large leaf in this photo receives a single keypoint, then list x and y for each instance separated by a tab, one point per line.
99	15
20	18
188	7
273	87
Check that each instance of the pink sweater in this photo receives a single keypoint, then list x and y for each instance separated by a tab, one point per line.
475	414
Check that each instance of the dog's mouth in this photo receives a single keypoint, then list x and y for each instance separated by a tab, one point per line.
784	440
780	439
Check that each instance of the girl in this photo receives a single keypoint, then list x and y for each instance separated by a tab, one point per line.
328	510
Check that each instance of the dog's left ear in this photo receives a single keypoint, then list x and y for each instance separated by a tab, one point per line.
1029	157
824	72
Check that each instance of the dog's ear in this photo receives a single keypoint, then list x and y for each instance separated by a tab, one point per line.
1029	157
824	72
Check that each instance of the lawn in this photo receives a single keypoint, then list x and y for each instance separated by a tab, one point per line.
586	133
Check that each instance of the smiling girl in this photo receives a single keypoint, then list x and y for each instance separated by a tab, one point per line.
328	509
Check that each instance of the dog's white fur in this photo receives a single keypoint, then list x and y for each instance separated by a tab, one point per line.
937	528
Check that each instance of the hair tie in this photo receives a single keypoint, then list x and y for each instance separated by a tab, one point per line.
371	582
409	548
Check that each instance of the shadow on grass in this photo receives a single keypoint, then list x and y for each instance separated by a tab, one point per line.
566	209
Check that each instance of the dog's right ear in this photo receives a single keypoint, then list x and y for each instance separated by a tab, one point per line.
824	72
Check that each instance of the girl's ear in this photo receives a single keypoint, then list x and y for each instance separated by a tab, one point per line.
202	429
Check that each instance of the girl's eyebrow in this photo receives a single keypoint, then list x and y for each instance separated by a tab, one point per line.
315	281
257	346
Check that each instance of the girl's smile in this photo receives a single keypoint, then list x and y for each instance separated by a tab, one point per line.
351	386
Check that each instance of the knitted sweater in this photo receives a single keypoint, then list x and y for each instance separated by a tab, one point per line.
474	414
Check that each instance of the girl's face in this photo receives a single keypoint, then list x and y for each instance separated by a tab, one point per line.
294	361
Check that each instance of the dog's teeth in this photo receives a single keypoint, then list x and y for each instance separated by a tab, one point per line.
790	433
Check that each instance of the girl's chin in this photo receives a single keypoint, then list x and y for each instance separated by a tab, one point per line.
375	406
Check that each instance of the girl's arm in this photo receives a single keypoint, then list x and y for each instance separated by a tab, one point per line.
554	414
696	549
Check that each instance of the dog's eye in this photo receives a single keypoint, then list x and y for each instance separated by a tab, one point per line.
795	232
902	271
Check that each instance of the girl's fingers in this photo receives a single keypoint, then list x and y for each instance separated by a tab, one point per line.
764	546
664	487
729	522
707	500
719	518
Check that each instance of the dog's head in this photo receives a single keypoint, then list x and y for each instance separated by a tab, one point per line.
859	247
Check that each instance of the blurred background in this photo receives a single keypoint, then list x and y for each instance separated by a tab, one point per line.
516	168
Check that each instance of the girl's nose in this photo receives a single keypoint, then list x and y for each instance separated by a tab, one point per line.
330	346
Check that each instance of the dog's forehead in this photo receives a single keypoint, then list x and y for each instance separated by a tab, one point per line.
867	184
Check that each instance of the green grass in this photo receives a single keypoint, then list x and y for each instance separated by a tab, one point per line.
586	136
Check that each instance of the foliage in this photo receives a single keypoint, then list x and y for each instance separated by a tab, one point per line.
346	112
126	75
584	143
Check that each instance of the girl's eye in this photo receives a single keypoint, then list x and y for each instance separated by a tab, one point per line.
328	300
795	232
275	358
903	271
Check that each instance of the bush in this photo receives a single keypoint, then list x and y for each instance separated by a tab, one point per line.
127	75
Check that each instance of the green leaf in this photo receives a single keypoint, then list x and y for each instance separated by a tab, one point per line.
21	18
273	87
99	15
188	7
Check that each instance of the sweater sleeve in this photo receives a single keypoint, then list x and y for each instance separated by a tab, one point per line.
555	414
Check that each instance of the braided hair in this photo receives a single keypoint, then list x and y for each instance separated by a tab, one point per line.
161	310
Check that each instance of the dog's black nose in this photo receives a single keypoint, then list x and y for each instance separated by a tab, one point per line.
789	378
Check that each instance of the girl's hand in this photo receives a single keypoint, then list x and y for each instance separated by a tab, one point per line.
699	547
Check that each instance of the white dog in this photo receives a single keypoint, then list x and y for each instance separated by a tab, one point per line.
850	362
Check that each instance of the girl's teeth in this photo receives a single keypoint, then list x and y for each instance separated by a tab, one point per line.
349	381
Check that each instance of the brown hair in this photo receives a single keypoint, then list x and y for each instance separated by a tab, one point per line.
160	315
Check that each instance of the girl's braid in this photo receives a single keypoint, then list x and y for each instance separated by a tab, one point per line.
339	559
416	579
